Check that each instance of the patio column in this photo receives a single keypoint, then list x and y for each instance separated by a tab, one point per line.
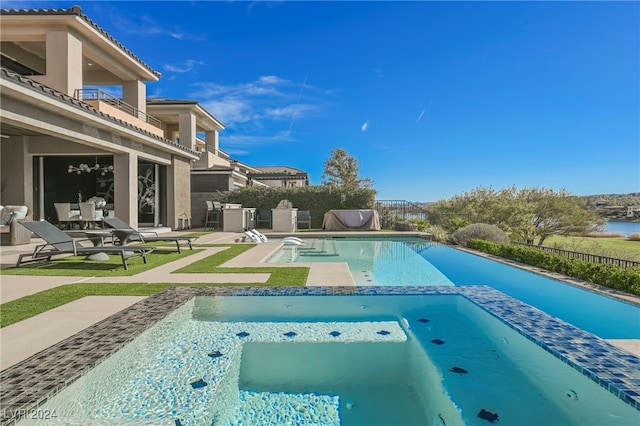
211	139
134	93
125	175
187	129
64	62
178	192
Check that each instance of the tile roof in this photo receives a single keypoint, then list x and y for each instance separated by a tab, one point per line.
163	101
278	169
77	11
34	85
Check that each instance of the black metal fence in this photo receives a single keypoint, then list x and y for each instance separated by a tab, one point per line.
587	257
392	211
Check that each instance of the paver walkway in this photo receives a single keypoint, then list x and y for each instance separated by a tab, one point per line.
26	338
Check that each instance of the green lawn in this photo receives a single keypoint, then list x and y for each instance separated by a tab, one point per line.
28	306
78	266
611	247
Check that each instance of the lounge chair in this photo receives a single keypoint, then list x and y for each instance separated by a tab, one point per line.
253	237
114	222
60	243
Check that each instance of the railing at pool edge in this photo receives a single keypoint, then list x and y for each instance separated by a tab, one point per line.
391	211
587	257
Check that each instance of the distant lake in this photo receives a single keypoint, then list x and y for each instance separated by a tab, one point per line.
626	228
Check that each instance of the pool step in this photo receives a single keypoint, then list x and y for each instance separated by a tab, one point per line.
192	378
279	408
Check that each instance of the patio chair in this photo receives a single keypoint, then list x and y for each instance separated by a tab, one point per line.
304	219
264	219
213	215
66	217
89	215
57	242
135	235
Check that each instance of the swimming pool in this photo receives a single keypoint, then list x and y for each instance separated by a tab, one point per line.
416	355
419	262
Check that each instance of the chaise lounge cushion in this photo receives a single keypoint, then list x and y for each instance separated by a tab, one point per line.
10	213
12	233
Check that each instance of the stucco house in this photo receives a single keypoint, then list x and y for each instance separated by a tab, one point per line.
280	176
74	123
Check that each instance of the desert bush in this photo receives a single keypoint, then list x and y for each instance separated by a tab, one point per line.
405	226
623	279
479	231
422	224
438	233
454	223
605	235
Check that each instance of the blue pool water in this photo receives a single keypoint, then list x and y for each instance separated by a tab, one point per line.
603	316
341	360
400	262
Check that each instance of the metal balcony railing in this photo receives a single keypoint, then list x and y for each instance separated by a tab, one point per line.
392	211
99	95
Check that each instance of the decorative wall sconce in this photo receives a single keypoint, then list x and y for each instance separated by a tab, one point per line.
82	167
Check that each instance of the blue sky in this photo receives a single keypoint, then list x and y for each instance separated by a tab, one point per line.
432	98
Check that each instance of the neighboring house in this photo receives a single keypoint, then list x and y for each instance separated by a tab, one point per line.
221	174
280	176
207	181
74	123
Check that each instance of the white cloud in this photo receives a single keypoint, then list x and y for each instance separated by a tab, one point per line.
272	79
229	109
267	99
261	111
288	111
144	25
186	67
243	144
365	126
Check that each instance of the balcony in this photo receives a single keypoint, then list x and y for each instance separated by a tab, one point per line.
115	107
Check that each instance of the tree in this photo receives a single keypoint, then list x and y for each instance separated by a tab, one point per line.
530	214
554	213
341	170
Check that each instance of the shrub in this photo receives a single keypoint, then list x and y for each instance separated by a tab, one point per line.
623	279
422	224
479	231
634	237
318	199
605	235
454	223
438	234
405	226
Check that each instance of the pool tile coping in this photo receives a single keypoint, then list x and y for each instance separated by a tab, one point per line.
31	382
